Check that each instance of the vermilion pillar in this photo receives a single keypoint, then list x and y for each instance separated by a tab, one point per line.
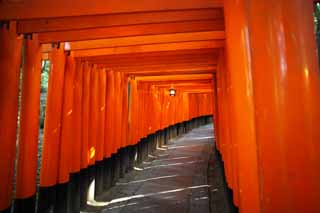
118	110
29	125
85	116
93	121
10	46
77	117
124	113
228	145
67	143
243	123
275	54
52	125
109	128
101	117
286	81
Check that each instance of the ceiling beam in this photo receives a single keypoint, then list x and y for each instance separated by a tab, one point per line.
139	56
209	44
171	72
132	30
172	69
201	59
149	39
189	64
183	82
174	77
111	20
31	9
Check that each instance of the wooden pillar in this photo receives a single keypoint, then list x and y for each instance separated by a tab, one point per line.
101	117
243	123
49	173
77	118
108	116
85	115
94	108
286	81
118	109
52	126
276	91
67	143
29	127
10	45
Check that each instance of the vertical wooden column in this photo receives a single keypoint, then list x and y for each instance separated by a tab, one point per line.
101	117
52	126
286	83
276	91
67	143
228	141
243	127
93	121
108	116
118	109
124	111
85	115
29	127
10	45
49	173
77	118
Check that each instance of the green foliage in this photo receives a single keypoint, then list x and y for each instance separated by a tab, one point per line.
45	75
45	70
317	25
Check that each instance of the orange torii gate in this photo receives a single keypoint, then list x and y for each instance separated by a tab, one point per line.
112	65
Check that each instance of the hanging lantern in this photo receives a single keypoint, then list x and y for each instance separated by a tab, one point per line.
172	92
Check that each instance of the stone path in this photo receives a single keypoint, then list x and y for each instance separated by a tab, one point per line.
174	179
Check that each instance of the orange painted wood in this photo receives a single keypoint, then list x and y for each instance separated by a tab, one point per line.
93	114
119	19
76	160
62	8
67	142
29	120
109	115
118	110
85	115
52	125
174	71
286	105
147	39
10	46
243	125
192	45
124	113
133	30
101	115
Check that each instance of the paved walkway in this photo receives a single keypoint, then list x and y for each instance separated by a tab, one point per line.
174	179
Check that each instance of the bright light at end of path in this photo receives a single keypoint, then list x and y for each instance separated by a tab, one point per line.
172	92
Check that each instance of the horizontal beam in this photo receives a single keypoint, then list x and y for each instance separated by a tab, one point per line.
174	77
155	64
210	44
31	9
149	39
171	72
132	30
191	69
182	82
144	56
111	20
158	66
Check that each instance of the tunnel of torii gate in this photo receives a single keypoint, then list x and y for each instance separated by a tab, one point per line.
126	75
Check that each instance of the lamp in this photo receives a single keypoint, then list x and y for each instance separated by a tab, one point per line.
172	92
